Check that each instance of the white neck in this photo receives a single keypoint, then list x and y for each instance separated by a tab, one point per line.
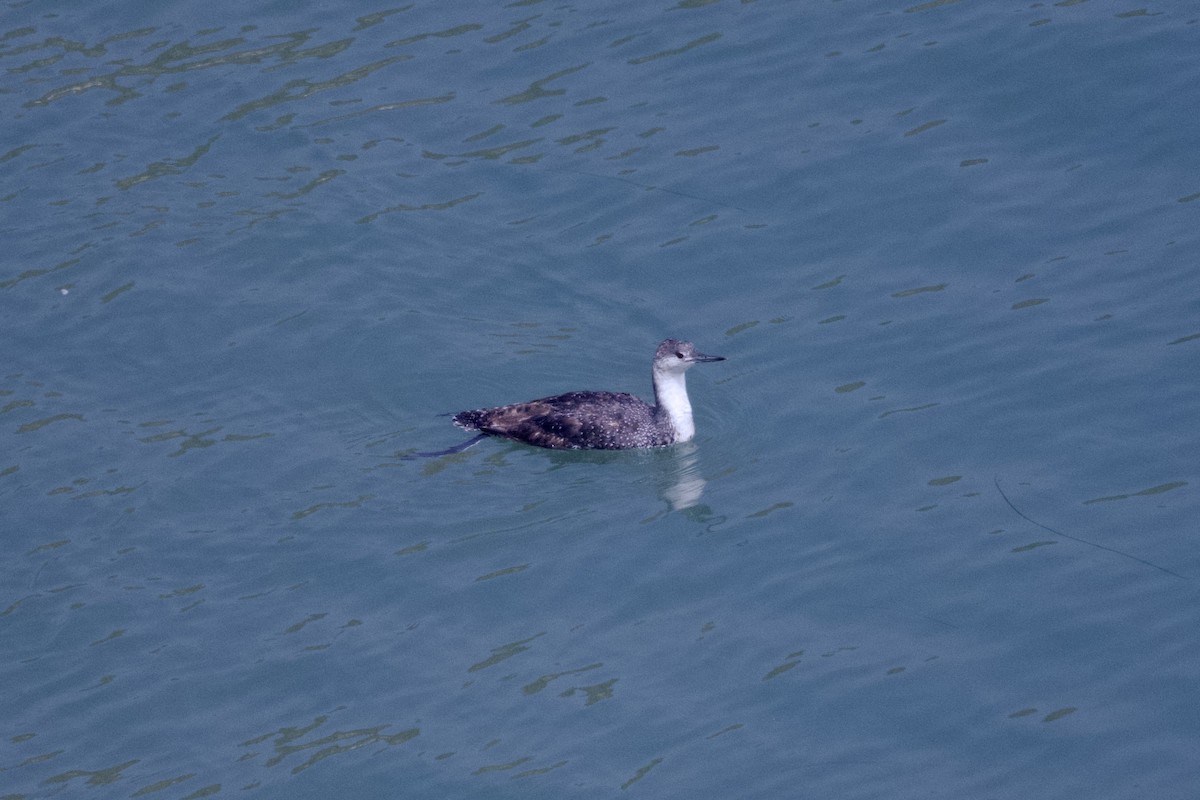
670	395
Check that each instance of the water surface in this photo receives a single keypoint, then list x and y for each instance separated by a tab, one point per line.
935	536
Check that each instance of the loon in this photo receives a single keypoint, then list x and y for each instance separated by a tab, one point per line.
600	420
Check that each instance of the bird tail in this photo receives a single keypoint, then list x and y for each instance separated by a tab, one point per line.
469	420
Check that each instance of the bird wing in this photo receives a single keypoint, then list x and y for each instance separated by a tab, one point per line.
563	422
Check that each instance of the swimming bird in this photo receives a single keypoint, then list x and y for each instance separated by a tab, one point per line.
600	420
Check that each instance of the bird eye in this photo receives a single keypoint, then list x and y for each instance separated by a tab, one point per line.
678	354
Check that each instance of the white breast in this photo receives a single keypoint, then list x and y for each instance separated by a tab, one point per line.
670	391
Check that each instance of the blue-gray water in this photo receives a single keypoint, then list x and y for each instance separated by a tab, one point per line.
937	534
